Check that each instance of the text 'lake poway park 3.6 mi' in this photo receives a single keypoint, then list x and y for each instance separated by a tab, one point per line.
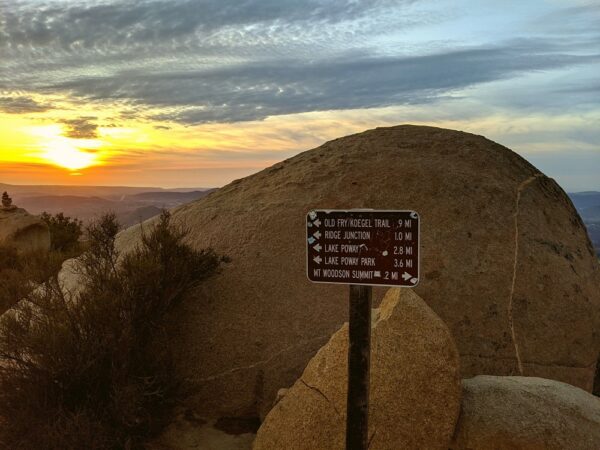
368	247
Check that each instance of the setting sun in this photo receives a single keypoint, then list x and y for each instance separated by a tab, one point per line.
69	157
71	154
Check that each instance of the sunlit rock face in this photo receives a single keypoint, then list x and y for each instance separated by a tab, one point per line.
23	231
414	395
506	263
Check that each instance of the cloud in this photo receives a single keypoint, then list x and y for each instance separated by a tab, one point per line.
572	20
81	128
22	105
207	61
87	25
253	91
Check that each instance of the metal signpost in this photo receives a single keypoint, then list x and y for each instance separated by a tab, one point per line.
362	248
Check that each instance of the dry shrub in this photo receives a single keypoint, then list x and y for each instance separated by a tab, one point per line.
20	273
64	232
87	372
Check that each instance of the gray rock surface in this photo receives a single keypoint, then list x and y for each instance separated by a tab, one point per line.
522	413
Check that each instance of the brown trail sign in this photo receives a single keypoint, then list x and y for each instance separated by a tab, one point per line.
368	247
362	248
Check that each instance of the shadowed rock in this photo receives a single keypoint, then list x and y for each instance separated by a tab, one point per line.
23	231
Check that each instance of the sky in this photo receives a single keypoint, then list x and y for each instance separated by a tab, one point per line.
198	93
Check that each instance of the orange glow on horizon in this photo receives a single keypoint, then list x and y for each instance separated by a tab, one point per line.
37	149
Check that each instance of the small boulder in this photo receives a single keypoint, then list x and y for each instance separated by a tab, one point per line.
23	231
526	413
415	386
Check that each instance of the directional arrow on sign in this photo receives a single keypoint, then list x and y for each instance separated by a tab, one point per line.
317	259
317	223
317	234
318	247
406	276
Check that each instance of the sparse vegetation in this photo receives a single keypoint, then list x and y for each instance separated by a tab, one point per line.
94	371
64	232
6	200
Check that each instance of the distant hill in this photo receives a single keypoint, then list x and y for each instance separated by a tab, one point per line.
583	200
138	216
130	204
75	205
169	197
17	190
588	206
591	213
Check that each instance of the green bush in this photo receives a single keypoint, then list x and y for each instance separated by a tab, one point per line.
87	371
64	231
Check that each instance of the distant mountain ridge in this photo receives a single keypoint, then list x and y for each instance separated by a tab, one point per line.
588	207
169	196
585	199
109	192
131	204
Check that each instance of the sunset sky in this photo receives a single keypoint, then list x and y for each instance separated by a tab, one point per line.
198	93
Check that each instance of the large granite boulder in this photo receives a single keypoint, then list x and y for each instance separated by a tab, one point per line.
522	413
506	263
21	230
415	386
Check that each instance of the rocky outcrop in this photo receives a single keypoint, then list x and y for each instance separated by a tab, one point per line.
415	386
510	413
506	263
23	231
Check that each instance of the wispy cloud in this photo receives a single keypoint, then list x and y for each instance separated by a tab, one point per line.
22	105
255	90
157	54
89	24
81	128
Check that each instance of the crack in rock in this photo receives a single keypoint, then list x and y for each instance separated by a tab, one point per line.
262	362
372	438
511	322
318	391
